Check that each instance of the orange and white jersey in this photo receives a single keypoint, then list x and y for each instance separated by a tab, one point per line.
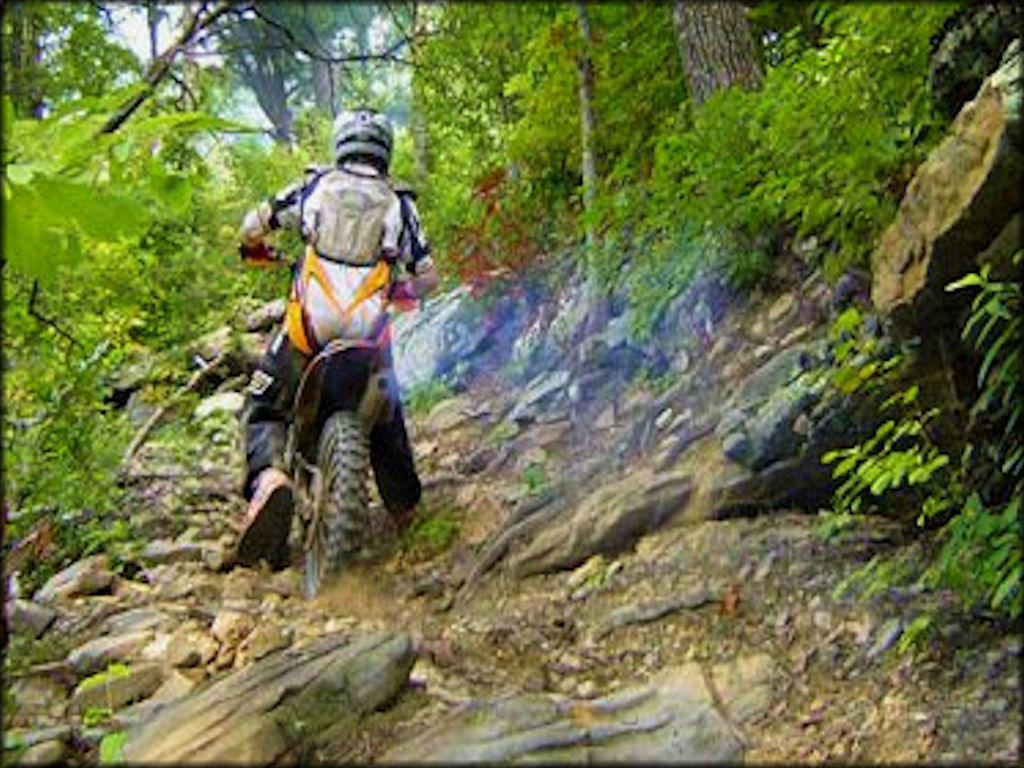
349	217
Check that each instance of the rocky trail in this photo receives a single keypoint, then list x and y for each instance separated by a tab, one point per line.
608	624
603	566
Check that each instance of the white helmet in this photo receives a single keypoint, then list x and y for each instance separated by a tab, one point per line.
363	133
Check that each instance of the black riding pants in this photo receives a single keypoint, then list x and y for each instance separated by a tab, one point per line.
267	412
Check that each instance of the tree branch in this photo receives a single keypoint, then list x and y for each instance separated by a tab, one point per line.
46	320
143	433
161	65
385	55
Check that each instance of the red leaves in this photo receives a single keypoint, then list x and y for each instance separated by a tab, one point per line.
38	544
496	242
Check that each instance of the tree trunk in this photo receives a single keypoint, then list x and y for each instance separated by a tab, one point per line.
420	134
36	30
599	301
323	86
716	47
153	22
264	76
14	75
589	159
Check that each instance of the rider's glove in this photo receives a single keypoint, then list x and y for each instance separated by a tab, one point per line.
260	253
402	291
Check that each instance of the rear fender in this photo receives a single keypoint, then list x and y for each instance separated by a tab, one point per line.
346	375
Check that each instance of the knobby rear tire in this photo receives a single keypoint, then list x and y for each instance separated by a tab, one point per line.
344	461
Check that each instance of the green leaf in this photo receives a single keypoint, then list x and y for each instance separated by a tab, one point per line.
967	281
990	357
881	483
1008	586
112	748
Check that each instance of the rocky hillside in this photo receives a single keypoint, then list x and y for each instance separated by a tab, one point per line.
613	559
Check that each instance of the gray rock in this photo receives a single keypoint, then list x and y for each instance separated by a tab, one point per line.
887	636
775	374
266	316
96	654
115	691
745	686
17	737
253	715
429	343
768	431
165	551
606	522
224	402
37	695
86	577
636	614
190	647
537	391
135	620
782	308
673	719
44	753
31	619
450	414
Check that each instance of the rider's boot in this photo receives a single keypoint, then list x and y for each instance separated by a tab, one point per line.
268	520
403	519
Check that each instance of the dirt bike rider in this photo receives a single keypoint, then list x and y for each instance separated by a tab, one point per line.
356	224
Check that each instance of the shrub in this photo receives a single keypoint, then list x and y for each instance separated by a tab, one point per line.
976	501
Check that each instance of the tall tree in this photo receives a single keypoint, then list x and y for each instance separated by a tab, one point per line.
717	48
588	163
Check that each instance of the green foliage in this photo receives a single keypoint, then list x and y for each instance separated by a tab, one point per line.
112	748
817	146
94	716
503	432
899	455
112	672
431	532
994	329
422	398
979	554
536	479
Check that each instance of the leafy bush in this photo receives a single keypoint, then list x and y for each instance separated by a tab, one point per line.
432	531
422	398
976	501
817	147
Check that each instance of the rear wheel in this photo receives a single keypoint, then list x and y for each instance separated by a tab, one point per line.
341	511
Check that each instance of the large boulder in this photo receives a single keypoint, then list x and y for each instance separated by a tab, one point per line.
544	388
758	426
86	577
967	49
430	342
799	482
961	197
672	719
259	713
98	653
608	521
766	434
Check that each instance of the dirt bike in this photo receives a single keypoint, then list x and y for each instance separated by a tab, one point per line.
343	392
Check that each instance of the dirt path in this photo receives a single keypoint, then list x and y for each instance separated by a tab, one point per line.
711	592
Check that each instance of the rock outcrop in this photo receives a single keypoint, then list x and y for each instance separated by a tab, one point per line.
278	704
674	719
608	521
960	199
